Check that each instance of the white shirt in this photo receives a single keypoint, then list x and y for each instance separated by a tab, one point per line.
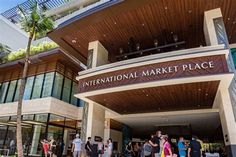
77	142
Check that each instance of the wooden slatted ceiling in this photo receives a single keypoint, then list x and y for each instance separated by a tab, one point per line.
154	19
189	96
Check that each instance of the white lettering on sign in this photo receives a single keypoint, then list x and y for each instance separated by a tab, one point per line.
151	72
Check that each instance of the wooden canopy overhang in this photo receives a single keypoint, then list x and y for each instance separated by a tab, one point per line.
114	22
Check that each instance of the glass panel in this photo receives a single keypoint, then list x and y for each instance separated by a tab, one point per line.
66	90
41	117
28	88
38	83
73	99
57	86
11	91
17	90
3	91
56	133
47	87
70	122
26	138
11	139
3	130
55	119
28	117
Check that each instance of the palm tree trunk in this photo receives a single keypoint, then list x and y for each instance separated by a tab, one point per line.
21	94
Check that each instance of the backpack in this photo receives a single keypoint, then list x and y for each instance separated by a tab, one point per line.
147	149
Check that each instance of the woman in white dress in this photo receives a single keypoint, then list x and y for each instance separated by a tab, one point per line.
110	147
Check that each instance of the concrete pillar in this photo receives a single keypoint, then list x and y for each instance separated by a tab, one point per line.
35	140
97	55
214	29
227	121
107	130
94	114
95	121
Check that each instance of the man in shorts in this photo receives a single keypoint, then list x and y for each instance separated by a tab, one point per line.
76	148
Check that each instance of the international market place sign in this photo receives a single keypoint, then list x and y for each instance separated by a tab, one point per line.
153	72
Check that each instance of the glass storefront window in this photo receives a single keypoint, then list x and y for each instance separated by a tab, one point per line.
28	88
41	117
47	87
70	122
28	117
55	119
73	99
66	90
11	91
17	90
3	91
34	129
58	86
37	86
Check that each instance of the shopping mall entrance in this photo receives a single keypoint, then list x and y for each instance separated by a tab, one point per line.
204	124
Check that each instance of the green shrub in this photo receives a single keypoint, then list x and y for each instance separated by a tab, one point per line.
41	47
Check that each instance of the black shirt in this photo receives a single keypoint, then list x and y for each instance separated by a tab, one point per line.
156	140
195	148
88	146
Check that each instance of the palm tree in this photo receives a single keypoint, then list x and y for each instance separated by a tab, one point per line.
34	22
4	51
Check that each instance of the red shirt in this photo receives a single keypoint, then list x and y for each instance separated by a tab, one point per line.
45	147
166	148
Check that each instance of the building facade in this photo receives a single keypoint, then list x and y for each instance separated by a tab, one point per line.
150	65
49	107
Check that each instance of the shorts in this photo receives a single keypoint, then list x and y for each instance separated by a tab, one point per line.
76	154
100	152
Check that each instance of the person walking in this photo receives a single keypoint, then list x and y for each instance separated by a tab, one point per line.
155	143
100	148
88	147
110	147
136	150
167	152
194	149
129	149
147	149
45	146
181	147
52	147
76	147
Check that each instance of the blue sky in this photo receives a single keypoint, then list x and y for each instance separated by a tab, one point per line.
7	4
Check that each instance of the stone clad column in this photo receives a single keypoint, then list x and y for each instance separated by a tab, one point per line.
215	34
94	114
228	122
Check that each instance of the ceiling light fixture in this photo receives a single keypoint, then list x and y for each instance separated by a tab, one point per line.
73	41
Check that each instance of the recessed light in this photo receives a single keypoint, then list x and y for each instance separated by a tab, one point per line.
104	35
146	94
143	24
166	8
115	22
228	18
206	94
189	11
199	89
73	41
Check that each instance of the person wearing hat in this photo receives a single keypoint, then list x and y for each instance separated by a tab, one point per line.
76	147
